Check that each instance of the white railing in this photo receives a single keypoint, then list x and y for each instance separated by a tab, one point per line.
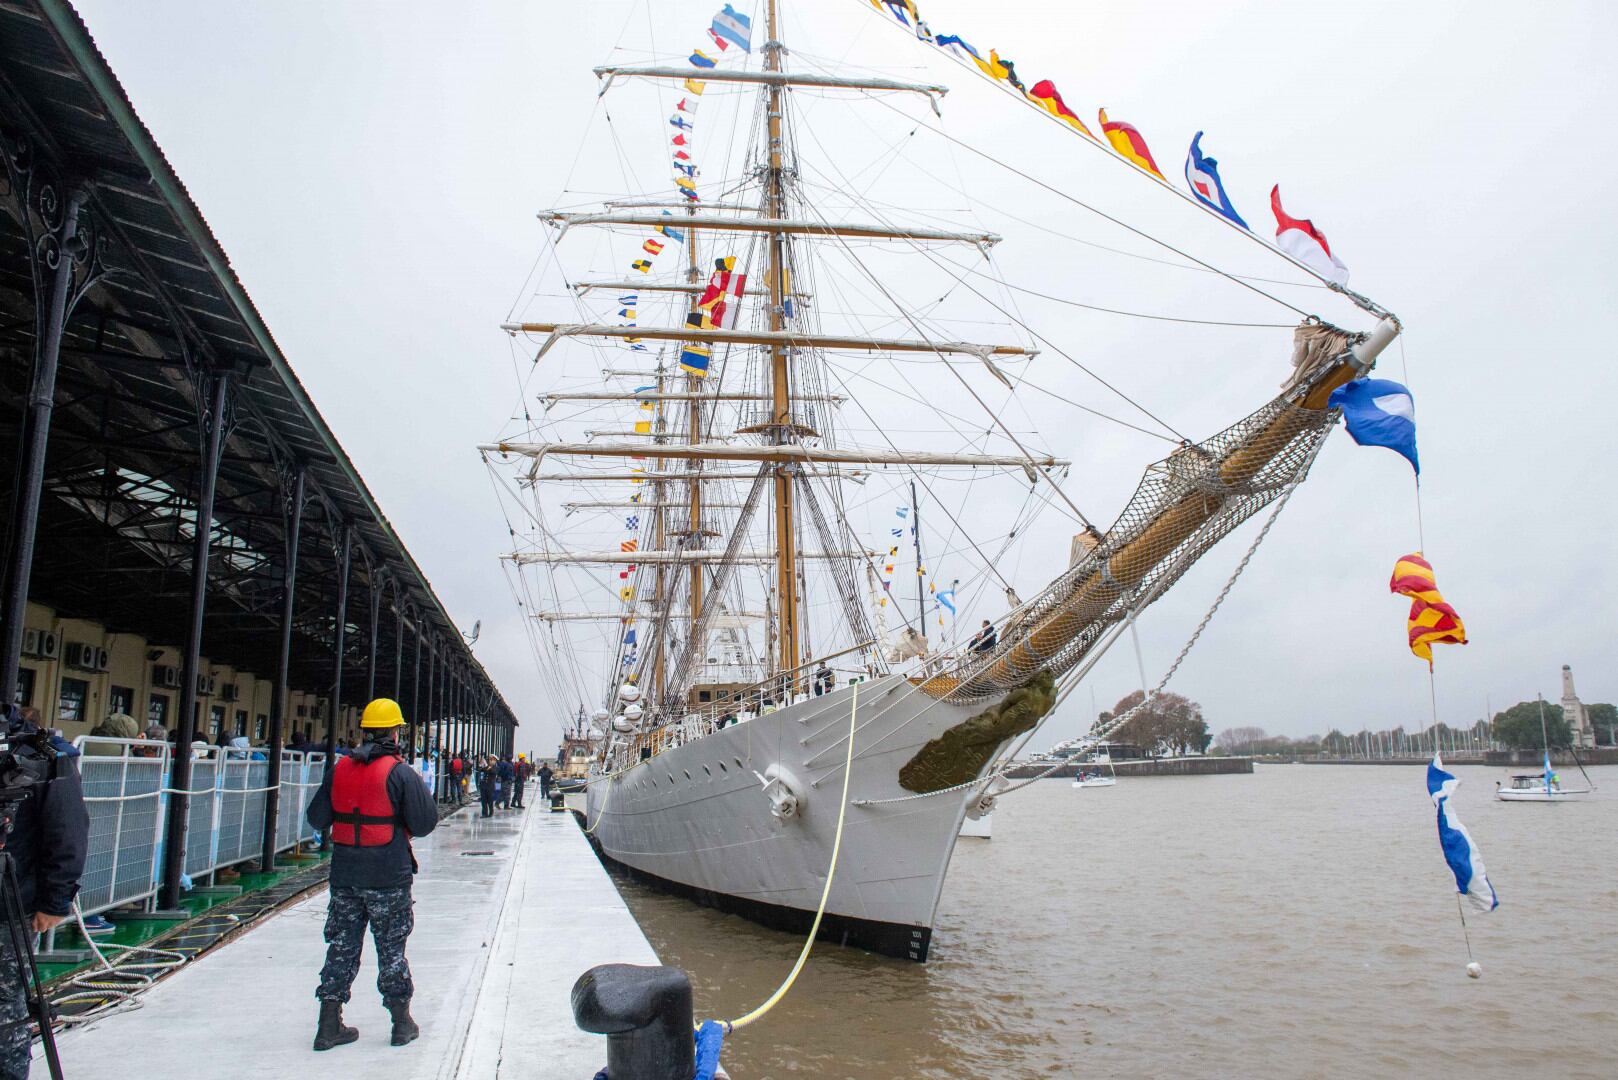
126	794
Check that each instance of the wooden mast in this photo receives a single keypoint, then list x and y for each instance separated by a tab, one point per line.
693	385
786	566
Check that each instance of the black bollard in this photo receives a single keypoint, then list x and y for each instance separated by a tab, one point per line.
646	1015
558	802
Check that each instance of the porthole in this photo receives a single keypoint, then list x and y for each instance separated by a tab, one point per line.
687	774
671	778
738	762
708	770
722	767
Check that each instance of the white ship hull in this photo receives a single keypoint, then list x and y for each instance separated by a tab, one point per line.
696	818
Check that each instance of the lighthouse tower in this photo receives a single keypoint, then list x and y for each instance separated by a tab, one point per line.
1574	712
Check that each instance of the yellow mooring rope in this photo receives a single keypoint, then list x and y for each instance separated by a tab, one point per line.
825	895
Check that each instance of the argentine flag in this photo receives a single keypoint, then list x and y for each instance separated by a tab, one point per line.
1379	412
1464	858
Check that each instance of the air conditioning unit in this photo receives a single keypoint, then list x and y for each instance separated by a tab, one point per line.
30	642
50	644
103	659
166	677
206	686
81	656
227	691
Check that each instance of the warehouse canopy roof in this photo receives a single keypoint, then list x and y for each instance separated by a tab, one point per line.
163	314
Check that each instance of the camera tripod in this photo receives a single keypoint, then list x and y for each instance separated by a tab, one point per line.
20	936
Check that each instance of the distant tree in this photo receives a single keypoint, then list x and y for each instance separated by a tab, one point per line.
1604	718
1518	727
1172	723
1238	740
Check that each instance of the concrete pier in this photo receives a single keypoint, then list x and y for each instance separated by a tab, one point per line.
1181	766
509	912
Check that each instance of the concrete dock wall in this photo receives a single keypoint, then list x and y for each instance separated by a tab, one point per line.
1186	766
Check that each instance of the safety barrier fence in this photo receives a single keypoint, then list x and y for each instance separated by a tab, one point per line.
124	790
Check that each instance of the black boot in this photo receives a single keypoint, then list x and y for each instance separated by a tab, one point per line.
404	1028
331	1031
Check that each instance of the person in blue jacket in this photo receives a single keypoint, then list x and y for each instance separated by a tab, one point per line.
50	836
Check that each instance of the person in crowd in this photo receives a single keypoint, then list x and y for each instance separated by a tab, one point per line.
118	725
373	803
240	748
457	770
155	733
825	681
545	776
519	779
985	639
301	742
50	835
488	781
507	773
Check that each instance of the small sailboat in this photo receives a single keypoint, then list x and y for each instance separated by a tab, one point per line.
1087	778
1537	787
1544	786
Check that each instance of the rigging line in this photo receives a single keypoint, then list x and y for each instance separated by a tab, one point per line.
1099	212
1045	228
1353	297
1040	337
959	377
869	563
1117	311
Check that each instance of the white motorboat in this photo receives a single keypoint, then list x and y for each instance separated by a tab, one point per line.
1533	787
1095	778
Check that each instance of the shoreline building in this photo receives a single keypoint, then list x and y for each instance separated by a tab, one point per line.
1576	715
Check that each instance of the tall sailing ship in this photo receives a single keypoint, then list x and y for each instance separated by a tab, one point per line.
744	629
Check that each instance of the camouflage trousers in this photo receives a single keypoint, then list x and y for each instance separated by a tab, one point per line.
391	917
14	1016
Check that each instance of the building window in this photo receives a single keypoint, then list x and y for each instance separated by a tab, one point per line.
70	706
216	722
25	686
121	699
157	710
303	711
260	727
241	722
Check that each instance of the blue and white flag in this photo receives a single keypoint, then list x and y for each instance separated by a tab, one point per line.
1202	177
1550	774
946	598
1379	412
734	27
1464	858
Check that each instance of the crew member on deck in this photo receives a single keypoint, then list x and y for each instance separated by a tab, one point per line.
374	803
985	639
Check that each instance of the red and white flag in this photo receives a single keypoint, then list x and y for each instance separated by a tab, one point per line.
1299	238
722	299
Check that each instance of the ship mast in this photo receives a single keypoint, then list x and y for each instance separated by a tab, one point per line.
786	566
693	386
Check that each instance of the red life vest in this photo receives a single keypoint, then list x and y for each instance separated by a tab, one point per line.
362	814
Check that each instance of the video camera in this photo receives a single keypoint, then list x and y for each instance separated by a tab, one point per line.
27	762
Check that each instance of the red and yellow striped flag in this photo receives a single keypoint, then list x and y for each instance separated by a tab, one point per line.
1129	143
1431	619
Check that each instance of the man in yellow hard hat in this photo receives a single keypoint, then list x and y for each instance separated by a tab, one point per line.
373	803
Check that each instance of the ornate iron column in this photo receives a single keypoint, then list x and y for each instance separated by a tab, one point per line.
434	736
180	774
344	550
41	403
376	584
279	695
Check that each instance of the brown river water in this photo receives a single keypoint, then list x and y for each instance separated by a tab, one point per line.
1298	922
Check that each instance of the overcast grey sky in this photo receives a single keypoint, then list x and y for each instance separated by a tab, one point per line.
373	171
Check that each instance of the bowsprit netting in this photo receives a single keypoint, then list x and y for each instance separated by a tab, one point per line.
1184	505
